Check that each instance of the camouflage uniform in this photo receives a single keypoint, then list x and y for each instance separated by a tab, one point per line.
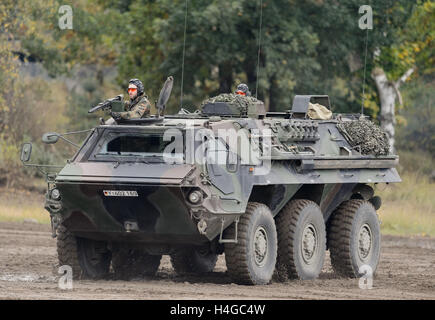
137	108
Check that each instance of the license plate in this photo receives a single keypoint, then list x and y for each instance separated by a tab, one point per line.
119	193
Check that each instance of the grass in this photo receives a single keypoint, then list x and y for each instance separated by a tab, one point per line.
20	214
19	206
408	207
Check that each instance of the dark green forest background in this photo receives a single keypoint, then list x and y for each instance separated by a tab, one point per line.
50	77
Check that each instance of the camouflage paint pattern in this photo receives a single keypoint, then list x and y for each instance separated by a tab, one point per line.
308	159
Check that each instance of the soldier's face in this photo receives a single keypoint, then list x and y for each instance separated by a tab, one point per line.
132	91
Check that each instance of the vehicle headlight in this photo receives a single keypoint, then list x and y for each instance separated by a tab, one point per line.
195	197
55	194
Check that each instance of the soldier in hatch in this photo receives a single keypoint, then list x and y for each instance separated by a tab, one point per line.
243	90
138	106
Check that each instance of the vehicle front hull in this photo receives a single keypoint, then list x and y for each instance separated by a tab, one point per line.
105	211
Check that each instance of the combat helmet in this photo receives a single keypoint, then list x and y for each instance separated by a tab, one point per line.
243	90
138	84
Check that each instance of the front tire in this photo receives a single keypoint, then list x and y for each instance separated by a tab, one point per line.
88	259
301	240
354	238
67	251
252	259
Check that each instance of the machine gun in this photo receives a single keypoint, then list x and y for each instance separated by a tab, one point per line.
165	93
107	104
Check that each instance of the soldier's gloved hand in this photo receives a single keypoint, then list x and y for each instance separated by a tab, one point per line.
115	115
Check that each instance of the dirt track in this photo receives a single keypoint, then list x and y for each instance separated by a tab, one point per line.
28	270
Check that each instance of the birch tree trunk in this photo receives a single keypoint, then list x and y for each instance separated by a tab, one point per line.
388	91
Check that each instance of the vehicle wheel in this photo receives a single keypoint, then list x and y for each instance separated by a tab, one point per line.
301	240
87	258
132	263
354	238
94	258
67	251
252	259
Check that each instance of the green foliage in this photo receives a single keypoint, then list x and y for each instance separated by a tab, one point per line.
9	161
308	47
89	42
413	43
419	130
139	53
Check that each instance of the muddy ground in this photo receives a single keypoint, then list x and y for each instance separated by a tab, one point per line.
28	270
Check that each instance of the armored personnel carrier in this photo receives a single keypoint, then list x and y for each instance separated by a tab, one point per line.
270	190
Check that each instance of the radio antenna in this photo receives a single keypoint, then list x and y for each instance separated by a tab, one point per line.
259	47
184	53
365	68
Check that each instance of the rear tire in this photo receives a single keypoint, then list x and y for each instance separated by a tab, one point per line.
193	261
354	238
134	263
252	259
301	240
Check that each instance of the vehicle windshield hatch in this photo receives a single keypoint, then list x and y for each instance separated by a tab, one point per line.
143	147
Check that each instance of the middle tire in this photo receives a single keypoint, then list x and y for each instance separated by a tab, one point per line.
252	259
301	240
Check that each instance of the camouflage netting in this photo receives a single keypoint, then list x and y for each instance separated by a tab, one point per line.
239	101
366	135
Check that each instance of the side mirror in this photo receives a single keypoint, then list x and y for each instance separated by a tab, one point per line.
26	151
50	137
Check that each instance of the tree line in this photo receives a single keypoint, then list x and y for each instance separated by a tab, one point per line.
307	47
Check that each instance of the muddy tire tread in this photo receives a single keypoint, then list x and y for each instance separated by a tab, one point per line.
67	251
286	223
235	255
339	237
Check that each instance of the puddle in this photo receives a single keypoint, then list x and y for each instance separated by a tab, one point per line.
26	278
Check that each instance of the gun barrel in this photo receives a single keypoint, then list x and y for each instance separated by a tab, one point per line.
105	104
99	106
